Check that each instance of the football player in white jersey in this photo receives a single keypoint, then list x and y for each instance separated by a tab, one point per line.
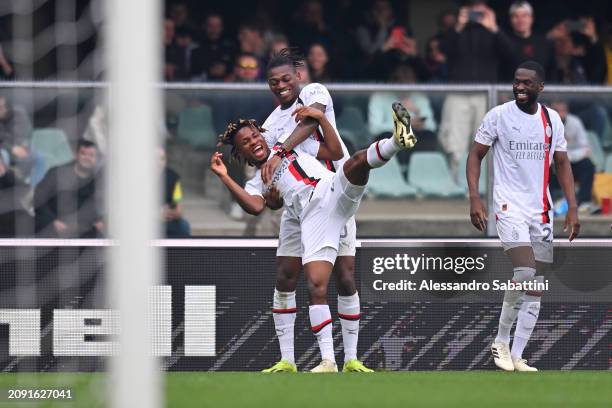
322	201
526	138
283	80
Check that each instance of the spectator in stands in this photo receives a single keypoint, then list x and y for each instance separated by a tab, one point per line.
318	63
435	61
374	33
251	40
68	202
473	50
180	14
216	51
527	44
172	209
476	45
387	44
447	20
15	134
279	42
423	123
579	152
246	69
172	58
580	56
13	216
310	27
191	66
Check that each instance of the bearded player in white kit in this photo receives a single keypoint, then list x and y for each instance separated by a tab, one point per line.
283	79
322	201
526	138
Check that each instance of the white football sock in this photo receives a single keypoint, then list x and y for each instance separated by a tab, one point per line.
527	318
349	314
321	324
510	308
382	151
284	310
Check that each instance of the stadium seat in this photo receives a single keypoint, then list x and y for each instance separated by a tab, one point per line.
428	172
597	153
608	165
352	120
53	145
388	181
195	127
482	182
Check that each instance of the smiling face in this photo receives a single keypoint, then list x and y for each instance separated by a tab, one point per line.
251	145
526	87
283	82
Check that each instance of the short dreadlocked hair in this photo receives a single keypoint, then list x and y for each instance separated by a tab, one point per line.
227	137
287	56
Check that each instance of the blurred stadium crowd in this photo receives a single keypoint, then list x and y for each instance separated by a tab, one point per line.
365	41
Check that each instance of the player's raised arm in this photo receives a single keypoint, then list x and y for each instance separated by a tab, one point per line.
563	170
478	211
252	204
299	134
330	149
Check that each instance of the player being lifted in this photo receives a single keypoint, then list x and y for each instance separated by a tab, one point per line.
321	201
281	127
526	138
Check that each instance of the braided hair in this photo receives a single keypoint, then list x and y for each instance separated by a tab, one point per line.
287	56
227	137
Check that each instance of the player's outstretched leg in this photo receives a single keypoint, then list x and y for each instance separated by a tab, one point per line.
357	168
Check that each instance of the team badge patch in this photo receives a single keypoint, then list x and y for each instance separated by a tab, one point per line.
548	131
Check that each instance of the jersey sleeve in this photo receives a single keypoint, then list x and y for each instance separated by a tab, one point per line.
559	134
487	132
255	185
315	93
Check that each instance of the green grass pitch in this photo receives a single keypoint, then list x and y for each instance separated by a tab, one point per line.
384	389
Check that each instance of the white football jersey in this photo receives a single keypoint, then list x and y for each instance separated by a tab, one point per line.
280	123
523	148
295	179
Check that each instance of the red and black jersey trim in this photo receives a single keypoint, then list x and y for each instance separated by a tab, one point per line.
319	327
349	317
284	311
546	124
300	174
380	157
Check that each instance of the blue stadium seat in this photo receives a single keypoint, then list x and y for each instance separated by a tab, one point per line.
608	165
53	145
428	172
482	182
352	125
195	127
387	181
597	153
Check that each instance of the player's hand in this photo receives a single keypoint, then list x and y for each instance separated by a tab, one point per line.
20	152
60	227
268	169
462	19
304	112
478	214
489	21
217	166
273	199
571	220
